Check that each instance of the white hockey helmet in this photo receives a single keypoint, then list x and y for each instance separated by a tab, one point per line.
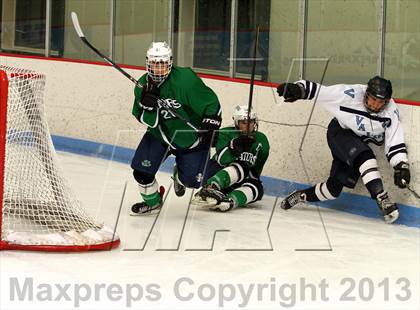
240	113
159	61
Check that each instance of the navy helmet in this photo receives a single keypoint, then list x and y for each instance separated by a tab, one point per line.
380	88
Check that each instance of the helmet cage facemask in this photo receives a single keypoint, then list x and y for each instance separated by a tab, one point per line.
240	113
253	118
252	129
163	64
159	61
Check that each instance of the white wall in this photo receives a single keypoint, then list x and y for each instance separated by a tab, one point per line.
94	103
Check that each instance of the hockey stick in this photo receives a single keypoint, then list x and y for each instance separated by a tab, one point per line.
252	81
163	103
411	190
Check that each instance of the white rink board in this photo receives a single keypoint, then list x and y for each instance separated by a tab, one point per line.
93	102
362	249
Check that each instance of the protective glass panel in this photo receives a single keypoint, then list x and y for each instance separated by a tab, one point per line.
252	13
283	40
212	35
95	20
137	24
402	48
347	33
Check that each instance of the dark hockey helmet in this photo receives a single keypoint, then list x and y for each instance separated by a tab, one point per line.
378	88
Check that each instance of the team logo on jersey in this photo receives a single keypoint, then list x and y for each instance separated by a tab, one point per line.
171	103
146	163
199	177
248	157
359	122
349	92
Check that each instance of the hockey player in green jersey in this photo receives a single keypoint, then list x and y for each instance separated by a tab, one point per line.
182	90
241	153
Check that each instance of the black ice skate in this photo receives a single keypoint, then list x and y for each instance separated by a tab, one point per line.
178	187
293	199
212	198
388	208
142	208
224	205
208	196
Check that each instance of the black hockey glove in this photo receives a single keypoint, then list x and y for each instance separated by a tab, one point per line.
290	91
241	144
209	127
402	174
150	96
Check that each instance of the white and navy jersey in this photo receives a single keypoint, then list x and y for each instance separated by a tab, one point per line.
345	103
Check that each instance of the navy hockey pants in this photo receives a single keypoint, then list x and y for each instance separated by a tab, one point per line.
151	153
345	146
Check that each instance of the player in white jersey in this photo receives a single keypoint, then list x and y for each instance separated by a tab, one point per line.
362	114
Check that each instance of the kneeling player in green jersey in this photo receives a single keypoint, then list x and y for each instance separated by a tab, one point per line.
241	153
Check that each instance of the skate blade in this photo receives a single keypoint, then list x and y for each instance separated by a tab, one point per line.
392	217
153	212
143	214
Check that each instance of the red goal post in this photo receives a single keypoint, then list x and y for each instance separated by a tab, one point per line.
38	209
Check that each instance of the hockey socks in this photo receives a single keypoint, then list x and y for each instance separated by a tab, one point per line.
150	193
371	177
234	173
152	199
225	178
239	197
369	172
324	191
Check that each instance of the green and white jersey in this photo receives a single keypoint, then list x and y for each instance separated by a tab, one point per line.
185	92
255	158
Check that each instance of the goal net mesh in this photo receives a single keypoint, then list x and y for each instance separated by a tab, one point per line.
39	207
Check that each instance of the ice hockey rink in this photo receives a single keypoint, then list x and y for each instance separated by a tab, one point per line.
188	258
335	254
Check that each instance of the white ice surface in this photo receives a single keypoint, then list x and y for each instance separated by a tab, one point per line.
301	252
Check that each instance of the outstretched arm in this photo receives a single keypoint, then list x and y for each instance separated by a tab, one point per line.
302	89
291	92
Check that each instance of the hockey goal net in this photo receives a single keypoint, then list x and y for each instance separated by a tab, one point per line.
38	209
